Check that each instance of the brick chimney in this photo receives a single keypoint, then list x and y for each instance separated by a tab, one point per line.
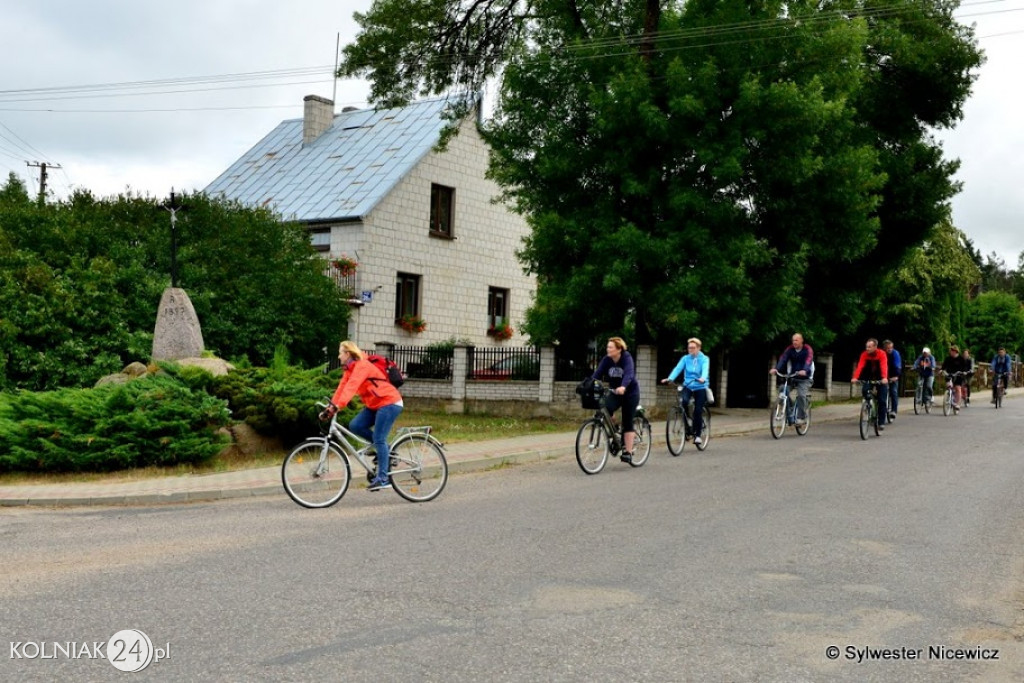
317	117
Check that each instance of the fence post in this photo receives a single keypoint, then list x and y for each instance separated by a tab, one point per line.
384	348
828	360
647	374
460	368
546	390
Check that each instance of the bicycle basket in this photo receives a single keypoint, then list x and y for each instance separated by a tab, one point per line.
591	392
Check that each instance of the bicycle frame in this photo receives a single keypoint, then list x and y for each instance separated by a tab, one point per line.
608	424
340	436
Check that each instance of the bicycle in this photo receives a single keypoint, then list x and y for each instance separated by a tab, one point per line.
679	426
999	390
920	402
599	436
784	411
949	403
869	410
317	472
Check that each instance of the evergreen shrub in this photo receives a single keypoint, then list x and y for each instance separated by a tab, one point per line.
155	420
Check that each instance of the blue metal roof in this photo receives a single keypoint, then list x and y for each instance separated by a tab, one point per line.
342	174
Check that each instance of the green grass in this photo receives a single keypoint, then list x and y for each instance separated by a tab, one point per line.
448	428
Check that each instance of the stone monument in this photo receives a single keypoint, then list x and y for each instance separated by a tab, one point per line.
177	334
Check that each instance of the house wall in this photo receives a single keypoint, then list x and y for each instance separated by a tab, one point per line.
454	273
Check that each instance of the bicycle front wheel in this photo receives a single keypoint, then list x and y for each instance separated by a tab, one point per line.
419	470
801	429
999	398
865	419
918	396
874	419
642	441
777	419
705	430
313	477
675	431
947	403
591	446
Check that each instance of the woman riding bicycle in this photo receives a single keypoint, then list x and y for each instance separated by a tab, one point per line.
925	367
618	369
695	367
382	404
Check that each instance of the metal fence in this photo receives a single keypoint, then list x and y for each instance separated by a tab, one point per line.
491	363
575	365
425	362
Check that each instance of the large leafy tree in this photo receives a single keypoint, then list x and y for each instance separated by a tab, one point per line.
726	168
924	300
995	319
80	281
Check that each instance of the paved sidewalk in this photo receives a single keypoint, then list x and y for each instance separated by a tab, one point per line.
462	457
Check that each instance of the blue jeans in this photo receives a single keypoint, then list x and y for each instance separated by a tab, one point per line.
375	425
883	395
700	397
894	394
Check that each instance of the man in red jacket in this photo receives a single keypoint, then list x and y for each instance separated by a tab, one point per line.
874	366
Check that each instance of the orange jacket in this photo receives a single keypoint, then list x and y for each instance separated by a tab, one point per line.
362	377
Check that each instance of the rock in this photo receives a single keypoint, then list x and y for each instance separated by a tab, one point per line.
215	366
135	369
177	334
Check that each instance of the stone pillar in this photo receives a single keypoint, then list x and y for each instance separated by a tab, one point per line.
828	360
384	348
177	333
460	368
647	375
722	390
546	390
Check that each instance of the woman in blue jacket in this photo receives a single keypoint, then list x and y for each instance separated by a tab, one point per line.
618	369
694	367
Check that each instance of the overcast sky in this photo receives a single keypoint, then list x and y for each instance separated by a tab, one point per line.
264	56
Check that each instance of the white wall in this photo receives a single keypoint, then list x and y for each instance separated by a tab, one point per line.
455	274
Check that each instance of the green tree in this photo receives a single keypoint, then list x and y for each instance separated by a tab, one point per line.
925	296
721	168
994	319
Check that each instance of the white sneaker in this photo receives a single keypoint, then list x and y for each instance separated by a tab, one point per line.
697	441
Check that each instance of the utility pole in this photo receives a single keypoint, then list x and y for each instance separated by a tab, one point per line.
42	166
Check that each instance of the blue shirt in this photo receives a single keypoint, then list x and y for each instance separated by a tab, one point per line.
925	366
797	361
1001	365
619	374
693	369
895	363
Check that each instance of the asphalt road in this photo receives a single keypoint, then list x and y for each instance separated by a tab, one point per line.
743	563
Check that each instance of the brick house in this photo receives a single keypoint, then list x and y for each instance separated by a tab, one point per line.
429	241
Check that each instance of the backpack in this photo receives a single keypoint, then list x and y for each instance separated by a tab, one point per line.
390	369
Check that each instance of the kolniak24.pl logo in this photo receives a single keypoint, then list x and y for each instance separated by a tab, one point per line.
127	650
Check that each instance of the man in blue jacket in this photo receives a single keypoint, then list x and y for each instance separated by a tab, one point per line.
1001	370
895	370
798	359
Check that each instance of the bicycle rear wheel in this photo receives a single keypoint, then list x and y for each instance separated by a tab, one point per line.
313	482
591	446
419	470
675	431
642	441
865	419
801	429
777	418
705	430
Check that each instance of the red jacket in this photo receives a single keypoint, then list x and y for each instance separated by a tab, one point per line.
362	377
876	364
